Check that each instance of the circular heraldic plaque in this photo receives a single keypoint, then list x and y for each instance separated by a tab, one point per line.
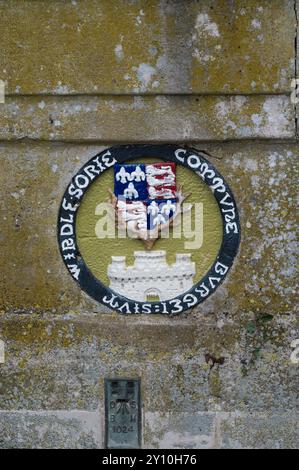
148	228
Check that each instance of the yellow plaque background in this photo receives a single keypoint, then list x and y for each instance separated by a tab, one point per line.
97	252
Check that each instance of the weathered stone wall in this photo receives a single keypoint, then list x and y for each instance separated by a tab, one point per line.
80	76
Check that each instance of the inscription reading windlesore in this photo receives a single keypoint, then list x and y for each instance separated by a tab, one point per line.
70	204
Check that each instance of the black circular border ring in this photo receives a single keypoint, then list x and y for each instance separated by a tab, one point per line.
186	156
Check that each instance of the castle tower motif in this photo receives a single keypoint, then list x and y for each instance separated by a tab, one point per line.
151	277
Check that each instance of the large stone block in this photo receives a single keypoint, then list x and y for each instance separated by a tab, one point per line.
34	177
179	431
147	47
147	119
260	431
59	362
52	430
221	430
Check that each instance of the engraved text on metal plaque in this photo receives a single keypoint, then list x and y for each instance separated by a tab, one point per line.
122	413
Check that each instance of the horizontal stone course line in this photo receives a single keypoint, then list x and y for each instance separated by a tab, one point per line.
148	119
142	94
253	140
225	414
60	143
22	318
63	412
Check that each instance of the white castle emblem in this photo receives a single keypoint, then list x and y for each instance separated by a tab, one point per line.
151	277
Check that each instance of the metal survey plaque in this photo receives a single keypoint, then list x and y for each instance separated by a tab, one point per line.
122	413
